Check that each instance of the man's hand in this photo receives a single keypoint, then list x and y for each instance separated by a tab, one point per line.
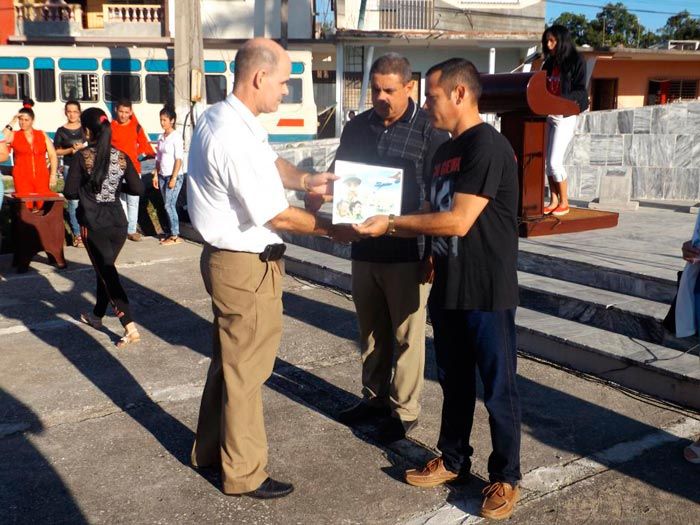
155	180
373	227
690	253
343	233
320	183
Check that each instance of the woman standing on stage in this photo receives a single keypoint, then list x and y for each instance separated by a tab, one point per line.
95	179
566	77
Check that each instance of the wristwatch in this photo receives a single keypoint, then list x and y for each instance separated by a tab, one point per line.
391	227
8	127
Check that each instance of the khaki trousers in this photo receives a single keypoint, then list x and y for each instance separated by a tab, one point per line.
390	304
246	296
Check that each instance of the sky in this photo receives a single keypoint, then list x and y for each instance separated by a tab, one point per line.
651	21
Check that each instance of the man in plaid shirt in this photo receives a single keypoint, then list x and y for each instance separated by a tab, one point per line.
390	276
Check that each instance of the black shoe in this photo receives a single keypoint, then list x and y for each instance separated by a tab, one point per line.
362	411
270	489
394	429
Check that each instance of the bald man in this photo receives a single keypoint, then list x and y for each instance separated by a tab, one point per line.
236	200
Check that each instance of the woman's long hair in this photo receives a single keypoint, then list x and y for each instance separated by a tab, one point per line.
96	122
565	53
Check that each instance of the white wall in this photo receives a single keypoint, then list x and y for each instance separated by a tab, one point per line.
248	18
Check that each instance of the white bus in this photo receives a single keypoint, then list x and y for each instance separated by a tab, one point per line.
100	76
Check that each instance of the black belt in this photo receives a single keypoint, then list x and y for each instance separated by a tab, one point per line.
272	252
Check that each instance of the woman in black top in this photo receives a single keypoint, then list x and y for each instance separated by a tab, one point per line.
97	175
566	77
70	139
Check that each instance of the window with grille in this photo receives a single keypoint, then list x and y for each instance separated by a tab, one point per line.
79	86
665	91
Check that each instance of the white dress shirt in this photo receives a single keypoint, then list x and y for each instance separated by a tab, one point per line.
233	185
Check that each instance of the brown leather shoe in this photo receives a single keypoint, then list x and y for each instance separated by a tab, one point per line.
432	475
134	236
499	500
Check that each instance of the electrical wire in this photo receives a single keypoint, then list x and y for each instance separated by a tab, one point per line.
630	9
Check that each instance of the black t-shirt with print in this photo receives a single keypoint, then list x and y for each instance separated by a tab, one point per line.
477	271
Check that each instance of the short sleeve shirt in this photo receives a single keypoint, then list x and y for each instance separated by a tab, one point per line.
234	187
477	271
169	149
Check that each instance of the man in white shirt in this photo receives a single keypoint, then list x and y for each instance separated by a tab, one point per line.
237	202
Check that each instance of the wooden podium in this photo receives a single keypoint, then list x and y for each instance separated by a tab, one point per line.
523	103
34	232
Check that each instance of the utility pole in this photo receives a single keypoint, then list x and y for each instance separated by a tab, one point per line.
284	23
190	93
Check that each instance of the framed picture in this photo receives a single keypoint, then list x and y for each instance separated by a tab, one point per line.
365	190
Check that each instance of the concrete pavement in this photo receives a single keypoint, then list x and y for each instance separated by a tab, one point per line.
92	434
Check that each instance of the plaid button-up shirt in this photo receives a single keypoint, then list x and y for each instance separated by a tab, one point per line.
408	143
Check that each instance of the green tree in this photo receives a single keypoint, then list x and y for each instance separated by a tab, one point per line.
578	25
614	25
681	27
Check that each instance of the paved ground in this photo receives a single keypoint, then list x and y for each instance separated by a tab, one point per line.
89	433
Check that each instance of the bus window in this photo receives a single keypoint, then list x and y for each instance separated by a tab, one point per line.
160	89
216	88
45	85
294	95
79	86
119	86
14	86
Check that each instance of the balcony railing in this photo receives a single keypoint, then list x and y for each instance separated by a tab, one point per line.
145	13
41	12
406	14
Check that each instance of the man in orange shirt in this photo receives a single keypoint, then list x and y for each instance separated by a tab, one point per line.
129	137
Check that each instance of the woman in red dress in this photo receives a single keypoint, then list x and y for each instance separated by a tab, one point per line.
30	148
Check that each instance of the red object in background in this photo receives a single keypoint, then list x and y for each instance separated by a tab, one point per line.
664	88
7	20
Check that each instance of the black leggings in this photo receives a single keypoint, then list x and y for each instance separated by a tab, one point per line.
103	247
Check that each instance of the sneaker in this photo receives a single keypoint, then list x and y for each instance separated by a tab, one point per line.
433	474
499	500
361	412
134	236
560	210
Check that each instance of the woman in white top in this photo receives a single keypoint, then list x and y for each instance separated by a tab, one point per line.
168	174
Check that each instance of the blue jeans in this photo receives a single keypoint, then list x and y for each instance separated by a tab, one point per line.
170	201
72	206
465	340
130	203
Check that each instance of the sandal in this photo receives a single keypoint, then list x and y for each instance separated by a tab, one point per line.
691	453
77	241
129	338
91	320
171	240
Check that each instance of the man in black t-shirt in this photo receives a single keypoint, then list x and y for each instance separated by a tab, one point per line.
474	199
